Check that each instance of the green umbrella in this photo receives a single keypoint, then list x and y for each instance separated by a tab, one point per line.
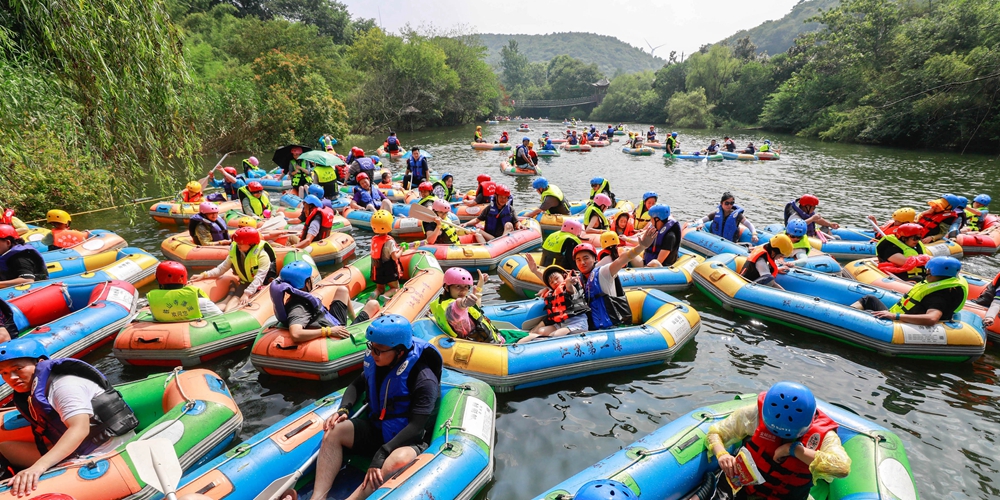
322	158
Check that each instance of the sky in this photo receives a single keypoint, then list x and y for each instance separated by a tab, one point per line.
682	25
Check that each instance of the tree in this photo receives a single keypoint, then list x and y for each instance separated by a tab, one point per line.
569	77
512	67
689	109
711	70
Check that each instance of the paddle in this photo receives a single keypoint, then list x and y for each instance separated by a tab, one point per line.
156	464
859	233
878	230
425	214
282	484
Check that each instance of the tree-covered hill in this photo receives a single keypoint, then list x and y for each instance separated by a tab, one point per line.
611	55
775	37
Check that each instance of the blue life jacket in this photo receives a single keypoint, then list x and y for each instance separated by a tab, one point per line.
653	252
367	167
219	229
389	403
392	142
606	310
373	191
497	216
232	188
650	136
727	227
572	140
278	290
418	169
36	260
611	132
792	206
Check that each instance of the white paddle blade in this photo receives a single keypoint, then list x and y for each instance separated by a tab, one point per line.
156	463
279	486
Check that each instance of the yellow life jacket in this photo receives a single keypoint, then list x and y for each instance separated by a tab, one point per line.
924	288
258	205
554	242
324	173
251	263
176	305
590	211
483	330
916	273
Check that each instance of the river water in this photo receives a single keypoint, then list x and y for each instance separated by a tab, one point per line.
946	414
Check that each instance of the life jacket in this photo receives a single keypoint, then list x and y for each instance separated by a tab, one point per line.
889	228
66	238
7	216
232	188
629	225
591	210
789	479
37	261
802	244
750	266
917	273
764	148
175	305
671	144
392	143
429	199
418	169
650	136
451	236
246	270
554	249
257	205
326	216
478	137
483	329
372	191
572	140
112	416
606	310
605	188
560	304
911	300
188	197
389	402
641	216
793	206
379	268
299	177
497	217
325	174
937	223
447	192
366	166
219	229
974	220
552	190
727	227
520	153
653	252
279	289
730	145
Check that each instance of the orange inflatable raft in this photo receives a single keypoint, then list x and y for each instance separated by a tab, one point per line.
331	250
171	212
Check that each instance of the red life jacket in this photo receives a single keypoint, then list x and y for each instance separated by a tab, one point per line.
790	479
932	222
7	217
325	223
379	267
555	304
190	197
755	255
888	228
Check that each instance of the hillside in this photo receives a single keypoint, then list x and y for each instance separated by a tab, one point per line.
609	53
775	37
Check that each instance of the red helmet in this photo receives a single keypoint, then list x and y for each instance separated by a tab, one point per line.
229	170
489	188
909	229
357	152
502	190
584	247
255	187
362	177
8	231
808	199
246	236
425	186
481	178
171	273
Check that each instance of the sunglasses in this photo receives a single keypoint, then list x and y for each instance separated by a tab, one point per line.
375	351
727	203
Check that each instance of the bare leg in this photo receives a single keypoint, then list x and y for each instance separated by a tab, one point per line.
387	205
480	238
654	263
393	288
379	290
231	303
396	460
371	307
331	457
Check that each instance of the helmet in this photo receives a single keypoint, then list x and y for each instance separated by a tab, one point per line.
425	186
602	200
808	199
796	228
767	141
660	211
357	152
255	187
8	231
572	226
983	199
296	273
60	216
673	134
962	202
649	194
943	266
375	159
246	221
253	161
909	229
194	187
610	239
604	489
23	347
382	222
481	178
951	199
391	330
246	236
904	215
362	177
446	175
171	273
440	205
502	190
208	207
531	144
316	190
540	183
230	170
584	247
313	200
549	271
788	409
457	276
783	243
597	181
525	138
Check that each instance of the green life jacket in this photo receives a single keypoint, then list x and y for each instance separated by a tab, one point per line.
557	193
590	211
603	188
554	242
483	330
176	305
251	263
325	174
917	273
257	205
924	288
975	221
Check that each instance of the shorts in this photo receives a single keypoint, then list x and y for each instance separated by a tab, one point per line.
368	439
575	324
338	310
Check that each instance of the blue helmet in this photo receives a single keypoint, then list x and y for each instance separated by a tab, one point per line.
673	134
943	266
788	409
983	199
375	159
660	211
540	183
649	194
313	200
296	273
951	199
525	139
316	190
22	347
391	330
597	181
767	141
962	202
796	228
604	489
446	175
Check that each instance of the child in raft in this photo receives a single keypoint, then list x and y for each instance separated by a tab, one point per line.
385	256
566	305
610	242
386	182
459	313
441	226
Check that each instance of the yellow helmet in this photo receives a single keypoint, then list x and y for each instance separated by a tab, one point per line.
904	215
60	216
610	239
783	243
194	187
246	221
382	222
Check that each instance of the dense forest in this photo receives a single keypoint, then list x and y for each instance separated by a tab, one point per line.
777	36
611	55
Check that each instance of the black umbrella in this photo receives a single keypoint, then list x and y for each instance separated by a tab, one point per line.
283	155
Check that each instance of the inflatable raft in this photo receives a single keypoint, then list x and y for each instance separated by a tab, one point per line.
331	250
193	409
846	250
509	169
708	244
275	183
134	266
292	201
984	242
548	152
582	148
880	468
170	212
457	464
738	156
382	153
767	156
406	228
643	151
486	256
485	146
275	353
715	157
597	143
396	194
819	304
662	325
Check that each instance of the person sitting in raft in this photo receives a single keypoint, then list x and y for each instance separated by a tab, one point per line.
442	227
325	176
426	194
304	314
796	231
749	149
624	226
354	154
230	183
532	153
360	165
504	137
385	256
804	208
417	170
327	141
498	218
905	215
610	132
594	216
368	197
71	408
175	300
548	145
937	219
641	213
558	247
459	313
975	216
761	265
609	307
793	444
192	192
386	181
599	185
251	260
565	303
663	250
251	164
713	148
207	228
636	141
401	370
444	188
651	135
766	147
672	144
583	138
480	197
727	219
571	138
729	144
988	298
934	300
478	137
254	201
318	223
553	201
610	245
545	135
62	235
900	253
522	155
392	144
962	220
299	172
20	262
